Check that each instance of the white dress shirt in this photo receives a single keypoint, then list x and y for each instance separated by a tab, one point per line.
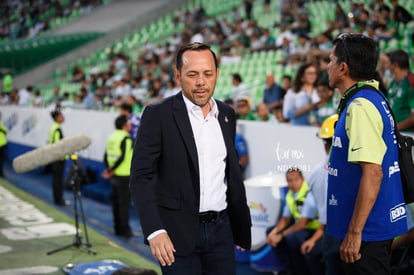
212	153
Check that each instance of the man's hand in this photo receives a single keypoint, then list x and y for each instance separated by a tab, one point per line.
162	249
307	246
106	174
273	239
349	250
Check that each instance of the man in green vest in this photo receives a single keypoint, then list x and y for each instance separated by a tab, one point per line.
299	221
56	135
117	159
7	85
3	144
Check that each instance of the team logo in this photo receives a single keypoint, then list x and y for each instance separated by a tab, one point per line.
398	212
336	142
393	169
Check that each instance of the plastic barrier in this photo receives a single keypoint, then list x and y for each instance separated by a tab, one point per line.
265	197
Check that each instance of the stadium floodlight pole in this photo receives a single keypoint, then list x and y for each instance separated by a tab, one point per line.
74	179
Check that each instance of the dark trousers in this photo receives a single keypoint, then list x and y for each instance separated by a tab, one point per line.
333	264
299	264
2	159
375	259
57	180
121	203
213	254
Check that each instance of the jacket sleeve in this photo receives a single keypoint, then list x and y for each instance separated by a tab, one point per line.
146	153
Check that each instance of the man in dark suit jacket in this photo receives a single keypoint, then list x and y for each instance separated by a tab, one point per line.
185	179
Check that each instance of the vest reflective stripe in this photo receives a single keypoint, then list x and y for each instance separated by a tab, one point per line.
53	133
292	203
3	138
113	152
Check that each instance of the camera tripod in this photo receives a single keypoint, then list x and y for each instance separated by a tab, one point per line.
74	179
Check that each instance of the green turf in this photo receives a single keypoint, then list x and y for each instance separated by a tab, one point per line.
32	252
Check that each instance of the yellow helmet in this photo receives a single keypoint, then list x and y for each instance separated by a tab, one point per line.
328	126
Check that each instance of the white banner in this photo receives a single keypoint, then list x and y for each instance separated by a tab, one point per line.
276	147
272	147
30	127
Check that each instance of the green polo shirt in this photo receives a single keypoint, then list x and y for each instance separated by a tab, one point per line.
364	128
401	99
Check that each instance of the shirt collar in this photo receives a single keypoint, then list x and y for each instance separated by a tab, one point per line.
190	106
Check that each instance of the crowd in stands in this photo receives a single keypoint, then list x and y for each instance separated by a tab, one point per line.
27	18
303	98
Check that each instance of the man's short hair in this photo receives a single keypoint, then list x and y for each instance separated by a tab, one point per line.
55	113
400	57
359	52
126	107
120	121
196	46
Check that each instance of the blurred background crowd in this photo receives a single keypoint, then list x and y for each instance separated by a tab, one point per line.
273	54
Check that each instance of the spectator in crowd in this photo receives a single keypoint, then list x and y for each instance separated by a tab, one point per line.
56	135
3	145
134	103
278	114
14	97
248	7
272	94
323	69
243	109
97	103
262	113
171	89
25	96
155	59
401	15
286	84
242	152
240	144
327	105
387	26
401	89
37	99
239	89
302	99
302	23
7	84
134	119
78	75
55	97
117	159
297	224
65	101
302	49
21	20
285	34
87	98
360	197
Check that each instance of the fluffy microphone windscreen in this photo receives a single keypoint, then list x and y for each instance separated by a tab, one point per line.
50	153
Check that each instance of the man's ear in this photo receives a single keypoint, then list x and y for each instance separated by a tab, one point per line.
344	68
177	75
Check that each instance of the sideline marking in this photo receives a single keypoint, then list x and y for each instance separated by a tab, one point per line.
41	269
26	221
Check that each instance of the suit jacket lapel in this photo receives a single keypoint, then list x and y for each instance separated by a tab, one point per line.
184	126
226	126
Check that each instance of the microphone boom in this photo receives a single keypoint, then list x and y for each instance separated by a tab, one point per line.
50	153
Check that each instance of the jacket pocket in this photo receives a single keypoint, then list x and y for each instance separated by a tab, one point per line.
168	202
